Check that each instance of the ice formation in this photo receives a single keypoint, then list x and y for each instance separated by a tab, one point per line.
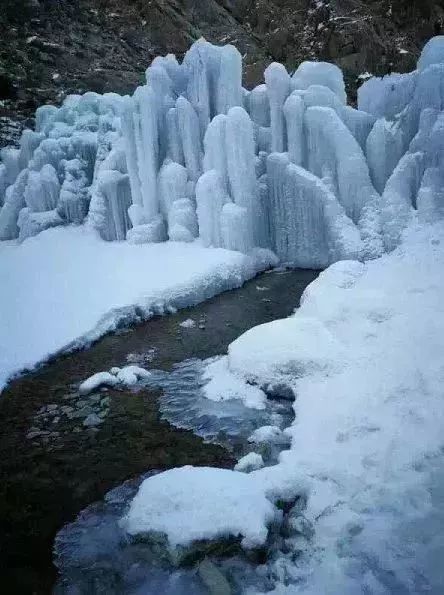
288	166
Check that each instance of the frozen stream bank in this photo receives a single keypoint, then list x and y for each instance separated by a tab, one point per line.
52	476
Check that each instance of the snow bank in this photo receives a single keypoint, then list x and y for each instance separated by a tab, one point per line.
66	287
368	431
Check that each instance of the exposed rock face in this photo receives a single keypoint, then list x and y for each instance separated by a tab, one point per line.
50	48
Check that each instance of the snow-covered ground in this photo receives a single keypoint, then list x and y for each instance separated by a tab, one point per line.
66	287
365	357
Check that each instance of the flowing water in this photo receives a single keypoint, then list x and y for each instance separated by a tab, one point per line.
52	465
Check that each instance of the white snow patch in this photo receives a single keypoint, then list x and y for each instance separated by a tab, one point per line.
188	323
96	381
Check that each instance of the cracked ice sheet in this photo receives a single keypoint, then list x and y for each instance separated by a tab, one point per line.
368	428
66	287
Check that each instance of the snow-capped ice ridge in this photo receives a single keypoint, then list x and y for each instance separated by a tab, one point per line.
287	166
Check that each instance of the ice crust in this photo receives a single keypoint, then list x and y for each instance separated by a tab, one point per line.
127	164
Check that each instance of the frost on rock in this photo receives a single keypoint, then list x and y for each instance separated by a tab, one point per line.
128	165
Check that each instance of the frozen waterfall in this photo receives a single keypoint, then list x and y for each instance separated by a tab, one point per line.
286	166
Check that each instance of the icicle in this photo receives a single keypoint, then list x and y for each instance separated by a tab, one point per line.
172	186
42	189
210	197
74	200
260	106
385	146
189	133
14	202
175	150
182	221
229	86
235	227
277	80
215	148
294	109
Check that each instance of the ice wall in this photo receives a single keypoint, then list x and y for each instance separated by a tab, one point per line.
287	166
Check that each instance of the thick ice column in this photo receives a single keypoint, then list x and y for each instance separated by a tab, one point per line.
175	150
276	171
189	132
109	206
210	197
317	231
334	152
201	63
74	200
182	221
14	202
241	158
335	156
3	183
294	109
429	93
277	80
44	116
387	96
51	151
320	73
430	200
359	123
385	147
236	228
130	122
215	156
172	182
260	106
147	146
29	141
10	159
229	85
399	198
432	53
42	189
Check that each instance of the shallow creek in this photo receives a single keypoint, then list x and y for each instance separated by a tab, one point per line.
53	464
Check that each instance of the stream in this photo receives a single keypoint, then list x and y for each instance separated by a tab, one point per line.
53	464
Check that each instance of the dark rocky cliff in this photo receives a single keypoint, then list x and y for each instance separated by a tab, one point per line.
50	48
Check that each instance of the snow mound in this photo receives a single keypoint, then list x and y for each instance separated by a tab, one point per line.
290	347
181	503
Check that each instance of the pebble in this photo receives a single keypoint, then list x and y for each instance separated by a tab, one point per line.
92	420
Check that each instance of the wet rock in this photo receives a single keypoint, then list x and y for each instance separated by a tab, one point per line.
213	578
84	412
279	392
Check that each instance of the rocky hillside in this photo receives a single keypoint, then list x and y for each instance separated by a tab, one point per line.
50	48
